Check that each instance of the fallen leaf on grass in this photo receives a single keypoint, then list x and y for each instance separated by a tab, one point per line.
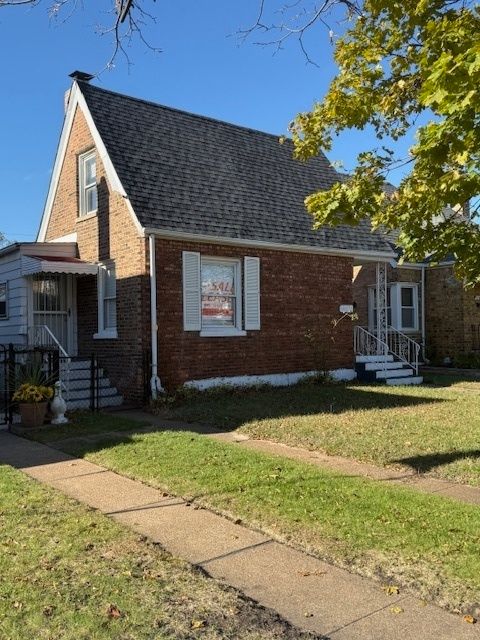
197	624
469	619
396	609
48	611
113	611
391	590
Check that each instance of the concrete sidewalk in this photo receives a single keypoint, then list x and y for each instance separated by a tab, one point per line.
309	593
346	466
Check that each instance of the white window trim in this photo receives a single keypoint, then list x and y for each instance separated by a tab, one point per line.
82	187
4	316
103	334
414	287
396	306
220	332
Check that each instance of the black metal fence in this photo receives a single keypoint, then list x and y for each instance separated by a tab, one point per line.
79	376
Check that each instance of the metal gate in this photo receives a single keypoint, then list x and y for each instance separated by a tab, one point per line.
15	364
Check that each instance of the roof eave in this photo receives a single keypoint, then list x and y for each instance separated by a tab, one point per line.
359	254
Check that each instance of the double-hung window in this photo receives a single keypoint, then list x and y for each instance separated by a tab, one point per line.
221	296
221	302
107	301
408	303
3	301
87	180
402	307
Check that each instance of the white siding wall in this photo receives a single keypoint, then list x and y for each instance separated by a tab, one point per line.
14	328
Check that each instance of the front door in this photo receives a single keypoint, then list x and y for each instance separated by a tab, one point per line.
53	298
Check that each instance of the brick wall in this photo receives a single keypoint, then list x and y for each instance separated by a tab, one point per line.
298	292
453	317
111	234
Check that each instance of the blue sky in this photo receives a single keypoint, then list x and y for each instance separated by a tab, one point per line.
201	69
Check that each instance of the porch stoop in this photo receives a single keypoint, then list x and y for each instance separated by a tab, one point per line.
387	369
78	381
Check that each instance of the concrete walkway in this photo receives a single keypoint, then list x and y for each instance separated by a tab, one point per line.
309	593
345	466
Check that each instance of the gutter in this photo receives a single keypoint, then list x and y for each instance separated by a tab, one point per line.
263	244
155	384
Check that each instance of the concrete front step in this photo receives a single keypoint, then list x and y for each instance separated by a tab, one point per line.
80	374
363	359
78	385
380	366
105	392
394	373
400	381
76	376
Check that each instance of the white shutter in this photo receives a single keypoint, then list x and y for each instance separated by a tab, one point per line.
251	278
192	320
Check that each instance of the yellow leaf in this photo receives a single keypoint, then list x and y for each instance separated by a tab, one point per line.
469	619
391	589
396	609
197	624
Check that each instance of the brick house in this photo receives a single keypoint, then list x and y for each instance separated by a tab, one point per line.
184	252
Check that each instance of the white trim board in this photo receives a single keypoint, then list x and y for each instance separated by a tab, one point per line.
76	99
273	379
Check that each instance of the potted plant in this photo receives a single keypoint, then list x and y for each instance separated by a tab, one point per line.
33	401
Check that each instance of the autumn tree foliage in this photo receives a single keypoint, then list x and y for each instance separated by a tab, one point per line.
400	60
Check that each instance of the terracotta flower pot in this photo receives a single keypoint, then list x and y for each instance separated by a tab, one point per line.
33	413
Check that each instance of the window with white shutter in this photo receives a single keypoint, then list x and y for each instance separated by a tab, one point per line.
251	279
213	296
191	291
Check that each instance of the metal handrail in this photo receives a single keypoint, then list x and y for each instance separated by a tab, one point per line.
397	344
367	343
43	337
403	347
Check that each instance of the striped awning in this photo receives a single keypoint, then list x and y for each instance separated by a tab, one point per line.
57	264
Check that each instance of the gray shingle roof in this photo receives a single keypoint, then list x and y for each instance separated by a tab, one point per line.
189	173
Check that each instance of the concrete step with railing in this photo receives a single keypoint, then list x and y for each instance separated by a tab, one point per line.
86	385
393	360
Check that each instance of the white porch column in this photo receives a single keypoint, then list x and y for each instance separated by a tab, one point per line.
381	305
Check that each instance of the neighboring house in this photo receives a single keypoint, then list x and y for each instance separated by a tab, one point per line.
427	303
177	248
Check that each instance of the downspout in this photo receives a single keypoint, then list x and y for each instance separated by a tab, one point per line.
423	312
155	384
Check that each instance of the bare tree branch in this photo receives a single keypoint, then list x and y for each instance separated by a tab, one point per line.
293	21
129	20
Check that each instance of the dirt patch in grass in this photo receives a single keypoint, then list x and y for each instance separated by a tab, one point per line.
69	573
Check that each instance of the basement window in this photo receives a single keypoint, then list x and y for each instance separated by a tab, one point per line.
87	180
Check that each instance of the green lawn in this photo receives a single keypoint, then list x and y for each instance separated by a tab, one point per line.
432	428
425	542
69	573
